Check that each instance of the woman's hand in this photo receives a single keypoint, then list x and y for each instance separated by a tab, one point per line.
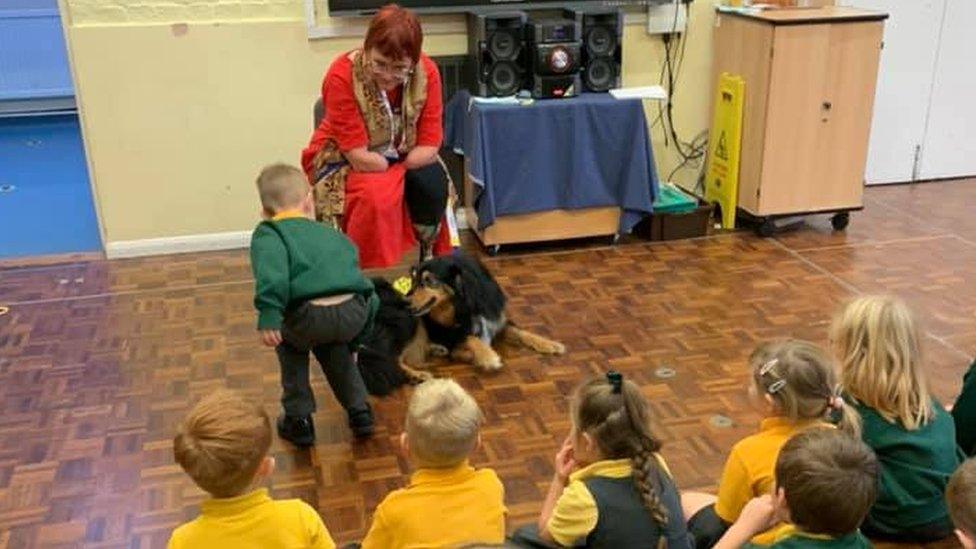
420	156
565	461
365	160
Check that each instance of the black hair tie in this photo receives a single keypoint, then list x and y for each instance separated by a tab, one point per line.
616	380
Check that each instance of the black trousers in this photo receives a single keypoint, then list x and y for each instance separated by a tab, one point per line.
325	331
425	191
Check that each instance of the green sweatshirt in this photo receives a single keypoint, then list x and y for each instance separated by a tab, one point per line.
915	468
295	259
964	413
799	540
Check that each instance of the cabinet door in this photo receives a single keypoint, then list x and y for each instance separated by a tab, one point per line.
949	147
819	119
791	167
852	73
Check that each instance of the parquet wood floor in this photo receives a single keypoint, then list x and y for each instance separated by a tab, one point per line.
99	360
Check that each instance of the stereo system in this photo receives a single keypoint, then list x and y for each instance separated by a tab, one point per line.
554	57
549	57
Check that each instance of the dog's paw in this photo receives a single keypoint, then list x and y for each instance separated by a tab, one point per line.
556	348
490	364
437	350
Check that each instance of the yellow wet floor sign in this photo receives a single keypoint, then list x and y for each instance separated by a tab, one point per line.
722	175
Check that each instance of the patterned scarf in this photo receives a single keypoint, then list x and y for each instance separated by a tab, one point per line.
398	131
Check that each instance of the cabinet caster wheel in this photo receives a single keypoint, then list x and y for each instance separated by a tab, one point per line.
492	251
767	228
840	221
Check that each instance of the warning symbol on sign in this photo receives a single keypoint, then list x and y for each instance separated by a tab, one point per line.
722	150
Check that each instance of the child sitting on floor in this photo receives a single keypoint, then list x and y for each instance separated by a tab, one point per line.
448	503
310	296
795	387
961	500
826	481
611	488
964	413
876	342
223	446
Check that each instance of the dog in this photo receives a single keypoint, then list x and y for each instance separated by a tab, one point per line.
397	339
462	308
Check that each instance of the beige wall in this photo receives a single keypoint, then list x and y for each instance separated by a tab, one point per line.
182	102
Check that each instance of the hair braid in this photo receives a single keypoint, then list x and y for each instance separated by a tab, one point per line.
645	466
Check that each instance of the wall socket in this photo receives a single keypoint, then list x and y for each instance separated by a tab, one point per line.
667	18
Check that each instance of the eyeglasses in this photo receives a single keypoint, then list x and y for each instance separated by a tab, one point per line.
397	70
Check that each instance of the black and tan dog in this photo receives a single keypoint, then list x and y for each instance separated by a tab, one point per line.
463	309
454	306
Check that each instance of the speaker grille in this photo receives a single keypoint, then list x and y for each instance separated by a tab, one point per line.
600	41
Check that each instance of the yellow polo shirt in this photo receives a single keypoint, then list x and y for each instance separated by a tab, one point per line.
441	508
575	514
750	468
253	520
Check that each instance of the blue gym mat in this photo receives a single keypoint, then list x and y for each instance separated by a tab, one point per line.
45	198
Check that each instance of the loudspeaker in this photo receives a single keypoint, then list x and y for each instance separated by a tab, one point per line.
496	47
603	32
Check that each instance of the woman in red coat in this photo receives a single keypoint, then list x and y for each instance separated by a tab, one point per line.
373	159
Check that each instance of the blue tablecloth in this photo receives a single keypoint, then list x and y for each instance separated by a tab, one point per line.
582	152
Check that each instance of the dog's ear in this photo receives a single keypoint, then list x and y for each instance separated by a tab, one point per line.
455	279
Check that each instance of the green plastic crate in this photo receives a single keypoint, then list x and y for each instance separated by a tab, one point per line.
672	200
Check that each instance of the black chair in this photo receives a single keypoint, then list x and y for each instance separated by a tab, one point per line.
318	113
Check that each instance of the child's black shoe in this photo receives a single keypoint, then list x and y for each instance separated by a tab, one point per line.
300	431
361	423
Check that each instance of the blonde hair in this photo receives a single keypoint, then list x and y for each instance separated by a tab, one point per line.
222	441
442	423
281	187
877	343
615	414
961	497
800	379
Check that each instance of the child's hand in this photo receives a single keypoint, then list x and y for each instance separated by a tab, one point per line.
565	460
758	515
271	338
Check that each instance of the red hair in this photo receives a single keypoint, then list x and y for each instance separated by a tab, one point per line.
395	32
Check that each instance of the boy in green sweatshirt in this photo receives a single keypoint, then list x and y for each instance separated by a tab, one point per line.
826	481
310	296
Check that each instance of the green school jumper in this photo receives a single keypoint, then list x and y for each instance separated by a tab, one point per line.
800	540
915	468
295	259
964	413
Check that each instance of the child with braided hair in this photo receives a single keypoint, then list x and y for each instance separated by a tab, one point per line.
611	488
795	387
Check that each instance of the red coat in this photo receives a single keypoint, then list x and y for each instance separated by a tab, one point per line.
375	215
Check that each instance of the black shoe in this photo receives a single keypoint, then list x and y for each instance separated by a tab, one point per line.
300	431
361	423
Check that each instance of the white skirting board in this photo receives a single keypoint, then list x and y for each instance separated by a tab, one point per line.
178	244
195	243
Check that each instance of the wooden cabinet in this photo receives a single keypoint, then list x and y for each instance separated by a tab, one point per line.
809	91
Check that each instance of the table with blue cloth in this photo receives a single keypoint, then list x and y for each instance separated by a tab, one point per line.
584	152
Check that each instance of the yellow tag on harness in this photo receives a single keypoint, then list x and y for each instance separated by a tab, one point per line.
403	285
